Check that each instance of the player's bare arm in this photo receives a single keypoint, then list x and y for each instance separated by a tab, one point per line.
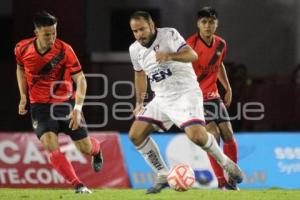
22	89
186	54
75	115
140	81
222	77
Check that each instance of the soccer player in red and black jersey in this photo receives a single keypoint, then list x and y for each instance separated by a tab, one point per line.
46	70
209	68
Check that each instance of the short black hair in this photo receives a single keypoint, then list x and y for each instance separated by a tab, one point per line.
141	14
207	11
43	18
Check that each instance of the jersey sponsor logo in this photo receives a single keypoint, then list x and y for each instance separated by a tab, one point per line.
160	75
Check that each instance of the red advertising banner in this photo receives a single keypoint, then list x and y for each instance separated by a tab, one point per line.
24	163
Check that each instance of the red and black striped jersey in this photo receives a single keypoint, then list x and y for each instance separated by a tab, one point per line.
48	75
208	64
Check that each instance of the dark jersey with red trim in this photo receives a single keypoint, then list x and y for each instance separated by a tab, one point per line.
48	75
208	64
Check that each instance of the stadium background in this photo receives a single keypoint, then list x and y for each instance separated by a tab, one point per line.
263	65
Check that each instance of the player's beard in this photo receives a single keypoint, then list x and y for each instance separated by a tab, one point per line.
148	43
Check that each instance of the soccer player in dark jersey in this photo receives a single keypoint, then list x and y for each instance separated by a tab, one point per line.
46	70
209	68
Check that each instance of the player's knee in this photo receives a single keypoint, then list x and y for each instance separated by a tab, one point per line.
84	146
227	133
51	146
85	150
50	142
197	135
134	136
198	139
139	131
213	130
228	137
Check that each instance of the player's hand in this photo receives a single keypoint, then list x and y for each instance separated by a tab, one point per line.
22	106
138	108
75	119
228	98
162	57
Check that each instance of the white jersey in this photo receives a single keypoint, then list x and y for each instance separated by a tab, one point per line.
168	78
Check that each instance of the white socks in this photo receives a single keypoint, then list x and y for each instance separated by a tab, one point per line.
149	150
214	150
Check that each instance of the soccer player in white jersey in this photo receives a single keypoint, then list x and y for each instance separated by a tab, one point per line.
161	54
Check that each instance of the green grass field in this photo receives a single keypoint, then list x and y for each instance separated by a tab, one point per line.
126	194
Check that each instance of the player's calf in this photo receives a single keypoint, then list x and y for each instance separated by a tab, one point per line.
231	185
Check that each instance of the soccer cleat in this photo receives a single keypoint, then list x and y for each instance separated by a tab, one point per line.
231	185
156	188
234	172
82	189
228	185
160	183
97	162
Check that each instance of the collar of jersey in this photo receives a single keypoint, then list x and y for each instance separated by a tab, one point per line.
36	48
209	46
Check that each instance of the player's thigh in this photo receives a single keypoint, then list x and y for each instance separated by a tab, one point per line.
154	114
197	134
226	131
44	124
139	131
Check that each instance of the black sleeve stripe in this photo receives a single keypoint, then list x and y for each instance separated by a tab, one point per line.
76	72
179	48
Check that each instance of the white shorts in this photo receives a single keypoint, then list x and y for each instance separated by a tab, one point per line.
184	110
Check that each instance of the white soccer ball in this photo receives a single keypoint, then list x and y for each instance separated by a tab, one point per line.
181	177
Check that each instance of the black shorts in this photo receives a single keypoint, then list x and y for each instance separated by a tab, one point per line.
52	117
215	111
